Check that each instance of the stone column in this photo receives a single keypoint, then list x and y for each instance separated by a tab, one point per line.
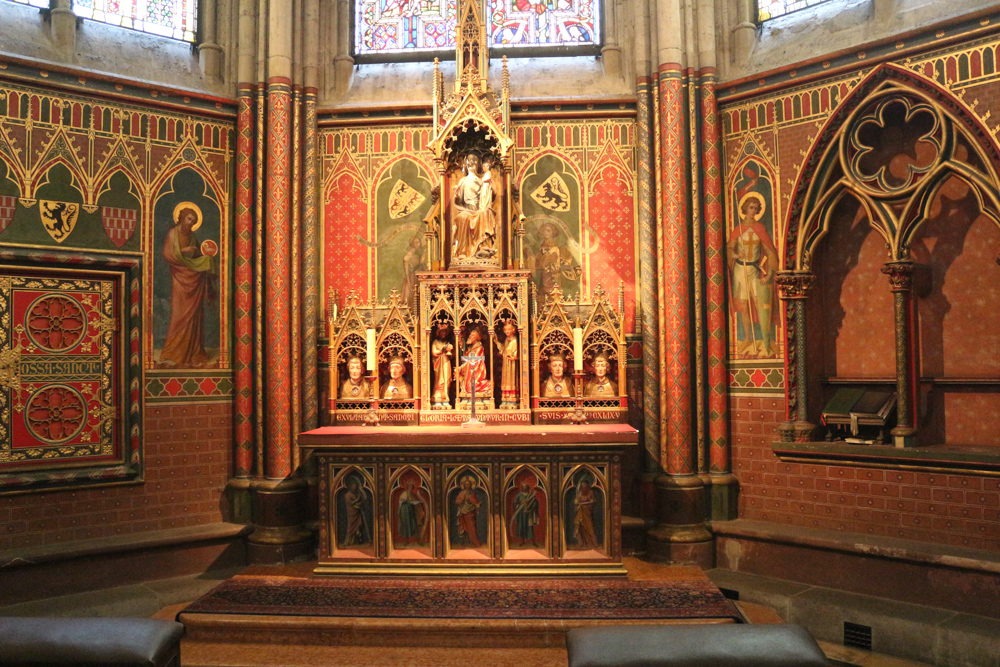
279	498
62	26
648	264
744	33
343	63
209	51
792	290
611	53
310	223
901	280
681	535
724	484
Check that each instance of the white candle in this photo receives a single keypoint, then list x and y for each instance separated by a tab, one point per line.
577	349
371	349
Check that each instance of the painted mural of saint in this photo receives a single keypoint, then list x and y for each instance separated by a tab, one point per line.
553	262
753	262
192	283
413	261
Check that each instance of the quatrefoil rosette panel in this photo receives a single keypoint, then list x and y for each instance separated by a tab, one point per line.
58	387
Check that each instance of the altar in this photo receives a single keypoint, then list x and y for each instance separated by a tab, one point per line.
475	418
447	500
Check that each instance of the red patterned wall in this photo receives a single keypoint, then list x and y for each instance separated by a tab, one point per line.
960	510
347	219
188	462
612	207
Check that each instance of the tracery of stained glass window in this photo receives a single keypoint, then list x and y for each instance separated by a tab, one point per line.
169	18
770	9
385	27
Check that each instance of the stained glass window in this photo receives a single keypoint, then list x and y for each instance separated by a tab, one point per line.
770	9
169	18
412	26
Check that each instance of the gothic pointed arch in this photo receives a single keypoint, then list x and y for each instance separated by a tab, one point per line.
891	145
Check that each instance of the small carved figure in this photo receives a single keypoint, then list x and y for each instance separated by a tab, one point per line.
474	371
509	375
441	351
601	385
557	385
397	388
356	387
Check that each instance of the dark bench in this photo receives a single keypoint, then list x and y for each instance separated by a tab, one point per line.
726	645
89	642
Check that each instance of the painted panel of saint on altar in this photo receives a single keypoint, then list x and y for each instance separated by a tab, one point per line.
411	512
526	511
353	498
585	516
469	523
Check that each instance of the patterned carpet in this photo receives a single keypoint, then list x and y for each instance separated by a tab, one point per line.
453	598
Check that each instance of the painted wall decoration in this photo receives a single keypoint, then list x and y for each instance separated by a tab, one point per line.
82	174
186	233
69	396
752	259
576	182
852	334
403	199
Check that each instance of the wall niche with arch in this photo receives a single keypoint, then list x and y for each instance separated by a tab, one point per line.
890	271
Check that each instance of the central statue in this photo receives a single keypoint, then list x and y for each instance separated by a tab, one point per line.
476	212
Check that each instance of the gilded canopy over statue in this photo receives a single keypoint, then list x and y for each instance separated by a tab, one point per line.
476	223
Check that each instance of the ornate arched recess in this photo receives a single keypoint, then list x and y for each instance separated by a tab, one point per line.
891	145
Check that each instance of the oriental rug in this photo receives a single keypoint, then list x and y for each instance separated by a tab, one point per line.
467	599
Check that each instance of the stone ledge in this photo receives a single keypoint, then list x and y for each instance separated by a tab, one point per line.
956	459
122	543
980	560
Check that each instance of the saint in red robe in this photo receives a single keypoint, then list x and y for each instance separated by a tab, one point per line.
192	283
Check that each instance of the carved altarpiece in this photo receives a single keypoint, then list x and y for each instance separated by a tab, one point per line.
419	493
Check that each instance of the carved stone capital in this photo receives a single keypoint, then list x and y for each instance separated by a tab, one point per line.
900	275
793	284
